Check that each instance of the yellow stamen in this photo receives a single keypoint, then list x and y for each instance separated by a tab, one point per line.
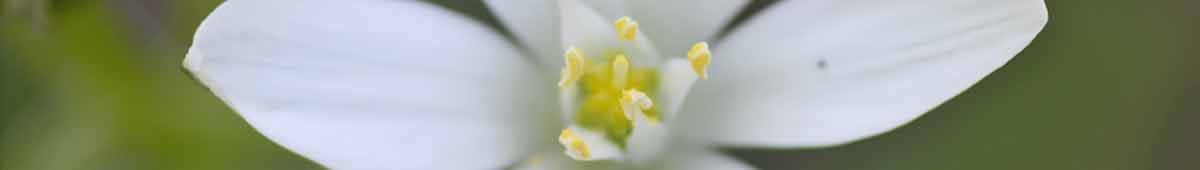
626	28
639	98
699	57
620	71
634	102
574	144
574	67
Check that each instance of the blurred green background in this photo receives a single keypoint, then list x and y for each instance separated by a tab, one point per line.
1109	84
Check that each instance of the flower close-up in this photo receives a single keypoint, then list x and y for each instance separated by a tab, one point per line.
593	84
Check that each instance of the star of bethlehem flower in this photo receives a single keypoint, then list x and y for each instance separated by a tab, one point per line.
590	84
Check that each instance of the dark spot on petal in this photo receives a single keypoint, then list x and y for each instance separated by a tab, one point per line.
822	64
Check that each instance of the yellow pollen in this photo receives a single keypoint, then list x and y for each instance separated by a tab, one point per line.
574	67
699	57
574	144
620	71
626	28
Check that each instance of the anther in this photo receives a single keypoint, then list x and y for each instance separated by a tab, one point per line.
626	28
699	57
634	102
573	68
576	148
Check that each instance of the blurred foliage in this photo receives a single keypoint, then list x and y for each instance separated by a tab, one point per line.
101	88
1109	84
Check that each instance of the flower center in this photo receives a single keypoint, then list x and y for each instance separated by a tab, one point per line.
613	96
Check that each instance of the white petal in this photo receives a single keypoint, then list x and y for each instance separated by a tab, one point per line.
676	24
677	78
701	159
823	73
374	84
554	159
609	8
535	24
594	34
648	142
567	98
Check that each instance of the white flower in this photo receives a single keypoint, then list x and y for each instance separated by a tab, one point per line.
391	84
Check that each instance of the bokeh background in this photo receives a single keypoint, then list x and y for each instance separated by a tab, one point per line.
1109	84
